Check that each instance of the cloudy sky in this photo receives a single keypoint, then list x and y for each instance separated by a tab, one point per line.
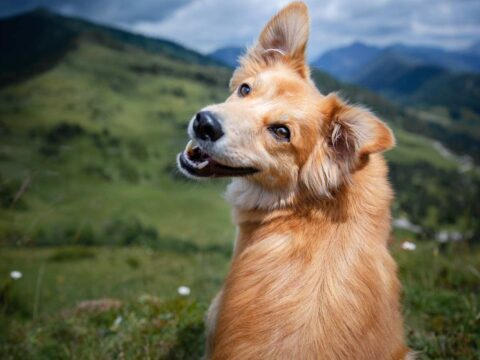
208	24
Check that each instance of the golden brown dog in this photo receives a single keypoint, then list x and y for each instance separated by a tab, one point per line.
311	276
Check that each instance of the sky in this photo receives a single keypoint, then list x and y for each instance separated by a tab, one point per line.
206	25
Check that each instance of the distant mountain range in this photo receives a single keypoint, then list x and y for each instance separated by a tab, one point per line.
475	48
228	55
344	63
412	75
348	62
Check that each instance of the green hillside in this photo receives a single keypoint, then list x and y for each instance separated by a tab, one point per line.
453	91
50	36
395	76
87	159
95	138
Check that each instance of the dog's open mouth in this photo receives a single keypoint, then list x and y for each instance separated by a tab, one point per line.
197	162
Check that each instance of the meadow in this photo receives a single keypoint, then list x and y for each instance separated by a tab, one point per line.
135	312
103	229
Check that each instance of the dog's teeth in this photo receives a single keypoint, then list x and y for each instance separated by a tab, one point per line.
189	146
202	164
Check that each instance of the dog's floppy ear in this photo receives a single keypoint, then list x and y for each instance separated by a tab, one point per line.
354	131
285	37
349	135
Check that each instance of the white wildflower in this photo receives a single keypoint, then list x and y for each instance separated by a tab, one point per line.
407	245
118	321
184	290
15	275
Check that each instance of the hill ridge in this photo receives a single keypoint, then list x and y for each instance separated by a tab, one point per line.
51	35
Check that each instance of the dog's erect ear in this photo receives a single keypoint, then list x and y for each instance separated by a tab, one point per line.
284	37
349	135
355	131
287	31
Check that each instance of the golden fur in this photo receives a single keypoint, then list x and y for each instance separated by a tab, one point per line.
311	275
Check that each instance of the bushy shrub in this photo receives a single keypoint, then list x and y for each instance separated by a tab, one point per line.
98	171
71	253
128	231
63	132
121	231
65	235
57	136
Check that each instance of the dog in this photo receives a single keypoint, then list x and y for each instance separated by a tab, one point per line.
311	276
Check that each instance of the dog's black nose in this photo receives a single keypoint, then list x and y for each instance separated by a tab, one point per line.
207	127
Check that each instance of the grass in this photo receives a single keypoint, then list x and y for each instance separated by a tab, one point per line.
441	302
69	274
142	316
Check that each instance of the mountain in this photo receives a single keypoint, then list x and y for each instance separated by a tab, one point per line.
389	73
36	40
455	61
475	48
421	84
345	62
455	92
89	139
228	55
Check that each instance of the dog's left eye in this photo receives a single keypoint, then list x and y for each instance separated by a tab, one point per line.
281	132
244	90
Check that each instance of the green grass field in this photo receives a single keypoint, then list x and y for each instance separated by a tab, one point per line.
42	319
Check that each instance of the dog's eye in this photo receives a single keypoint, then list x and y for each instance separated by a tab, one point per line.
281	132
244	90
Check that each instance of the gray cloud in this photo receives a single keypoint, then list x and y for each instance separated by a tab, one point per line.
109	11
207	24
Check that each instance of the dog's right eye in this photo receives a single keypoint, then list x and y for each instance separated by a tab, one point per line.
281	132
244	90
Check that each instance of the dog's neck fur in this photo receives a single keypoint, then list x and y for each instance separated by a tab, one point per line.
255	206
313	275
246	195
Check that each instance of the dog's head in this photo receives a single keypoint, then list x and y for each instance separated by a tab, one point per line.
276	133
